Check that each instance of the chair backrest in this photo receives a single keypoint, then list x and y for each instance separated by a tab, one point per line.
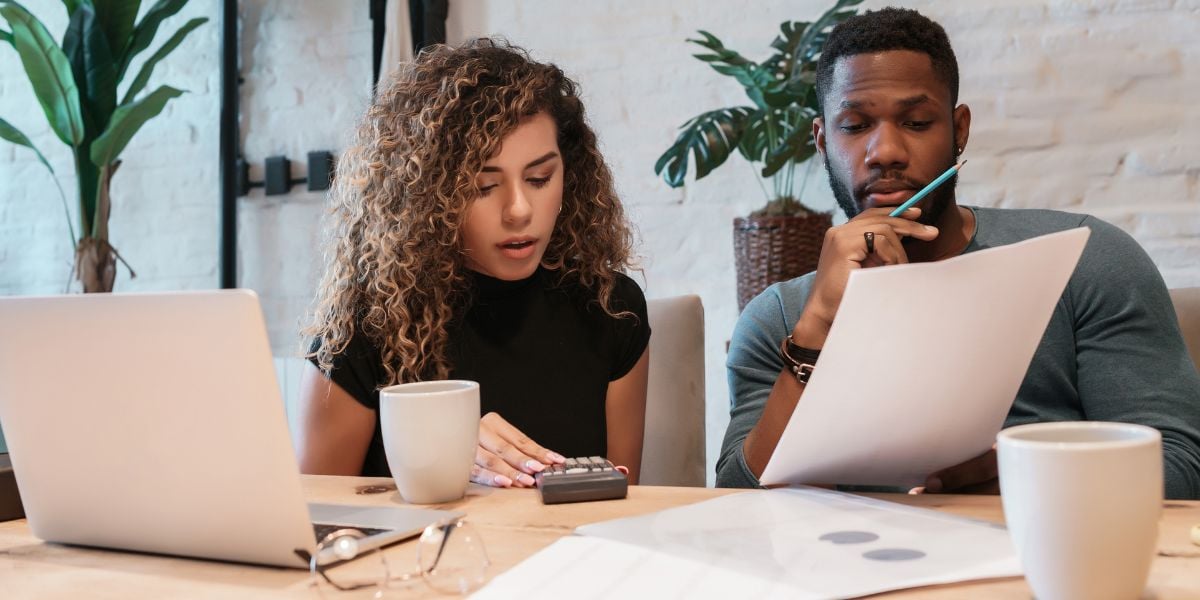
673	447
1187	309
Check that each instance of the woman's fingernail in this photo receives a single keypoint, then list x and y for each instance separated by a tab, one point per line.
930	228
556	457
534	466
502	481
525	479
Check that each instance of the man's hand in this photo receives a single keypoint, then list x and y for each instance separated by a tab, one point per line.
844	250
506	457
976	476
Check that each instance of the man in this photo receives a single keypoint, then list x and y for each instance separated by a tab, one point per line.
887	82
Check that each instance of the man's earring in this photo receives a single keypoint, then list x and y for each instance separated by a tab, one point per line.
960	150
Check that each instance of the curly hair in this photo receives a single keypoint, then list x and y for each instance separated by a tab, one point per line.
394	263
886	29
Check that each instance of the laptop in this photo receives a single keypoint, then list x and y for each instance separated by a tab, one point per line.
153	422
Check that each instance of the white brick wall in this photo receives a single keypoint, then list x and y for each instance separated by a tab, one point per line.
1078	105
307	70
307	66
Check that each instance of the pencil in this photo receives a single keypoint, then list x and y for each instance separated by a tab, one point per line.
925	190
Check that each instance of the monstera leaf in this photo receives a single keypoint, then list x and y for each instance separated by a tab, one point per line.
710	138
751	75
808	50
776	132
795	148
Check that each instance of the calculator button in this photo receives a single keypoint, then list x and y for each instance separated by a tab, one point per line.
577	470
598	459
585	461
570	463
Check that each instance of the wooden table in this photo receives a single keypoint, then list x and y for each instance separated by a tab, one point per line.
513	525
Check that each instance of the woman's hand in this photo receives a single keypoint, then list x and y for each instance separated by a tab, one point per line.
506	457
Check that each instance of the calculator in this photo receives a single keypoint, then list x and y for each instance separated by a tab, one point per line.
580	480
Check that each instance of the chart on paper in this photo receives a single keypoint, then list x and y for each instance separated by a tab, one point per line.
791	543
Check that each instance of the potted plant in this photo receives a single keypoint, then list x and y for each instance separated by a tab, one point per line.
783	239
76	85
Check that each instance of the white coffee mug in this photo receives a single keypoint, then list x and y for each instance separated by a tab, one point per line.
1082	501
430	432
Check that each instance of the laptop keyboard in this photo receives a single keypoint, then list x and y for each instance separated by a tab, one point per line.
323	529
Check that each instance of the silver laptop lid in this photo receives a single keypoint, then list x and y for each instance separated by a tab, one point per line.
151	422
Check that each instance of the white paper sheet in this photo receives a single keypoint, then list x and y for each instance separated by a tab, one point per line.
595	568
922	364
777	544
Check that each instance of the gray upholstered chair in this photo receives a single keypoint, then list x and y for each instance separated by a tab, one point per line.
1187	309
673	447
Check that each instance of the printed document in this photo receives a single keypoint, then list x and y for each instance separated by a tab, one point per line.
922	364
802	543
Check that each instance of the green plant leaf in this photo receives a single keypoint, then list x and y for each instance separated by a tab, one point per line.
756	141
767	132
86	46
797	147
126	121
809	48
7	35
789	84
751	75
143	76
785	45
709	138
89	183
144	32
49	72
116	19
14	135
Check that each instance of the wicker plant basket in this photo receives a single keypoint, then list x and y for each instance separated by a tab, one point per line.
771	249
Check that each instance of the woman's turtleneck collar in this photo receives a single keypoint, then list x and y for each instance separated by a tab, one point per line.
489	288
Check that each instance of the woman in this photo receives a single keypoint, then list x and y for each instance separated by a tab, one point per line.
476	235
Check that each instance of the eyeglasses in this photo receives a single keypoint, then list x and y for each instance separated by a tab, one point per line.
450	559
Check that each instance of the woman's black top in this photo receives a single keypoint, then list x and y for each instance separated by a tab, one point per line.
542	351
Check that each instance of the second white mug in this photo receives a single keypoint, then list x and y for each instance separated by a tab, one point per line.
1082	501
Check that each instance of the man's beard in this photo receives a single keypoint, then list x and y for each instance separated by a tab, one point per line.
934	204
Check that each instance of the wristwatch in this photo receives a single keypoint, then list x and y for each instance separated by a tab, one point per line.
799	360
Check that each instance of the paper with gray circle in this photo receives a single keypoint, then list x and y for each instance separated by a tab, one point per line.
818	543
